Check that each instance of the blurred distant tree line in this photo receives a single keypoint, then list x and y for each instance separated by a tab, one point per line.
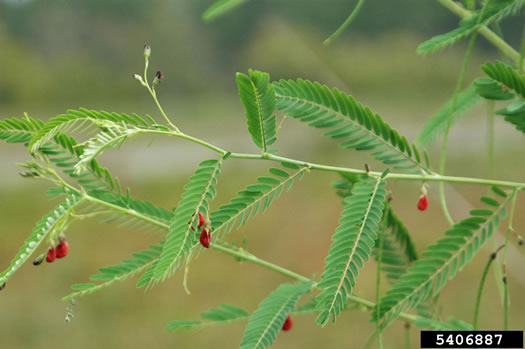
49	45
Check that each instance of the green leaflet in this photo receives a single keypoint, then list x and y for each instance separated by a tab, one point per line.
219	8
66	153
266	322
436	125
182	236
251	200
351	246
248	203
108	275
497	10
440	262
80	121
43	228
398	248
506	75
110	138
357	126
225	314
258	97
515	114
19	130
490	89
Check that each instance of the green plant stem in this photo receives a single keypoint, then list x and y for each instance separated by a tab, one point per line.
480	291
492	37
244	255
432	177
443	160
407	335
505	253
505	305
521	62
154	95
378	277
491	137
345	24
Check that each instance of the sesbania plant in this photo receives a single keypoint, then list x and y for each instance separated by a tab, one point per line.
368	226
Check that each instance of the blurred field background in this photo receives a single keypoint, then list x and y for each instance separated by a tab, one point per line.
56	55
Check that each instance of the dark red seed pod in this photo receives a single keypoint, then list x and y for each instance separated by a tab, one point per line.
205	238
51	255
422	204
288	324
62	249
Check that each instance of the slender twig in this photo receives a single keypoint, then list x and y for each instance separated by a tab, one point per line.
244	255
521	62
407	335
505	249
345	24
378	277
480	289
459	84
492	37
491	136
432	177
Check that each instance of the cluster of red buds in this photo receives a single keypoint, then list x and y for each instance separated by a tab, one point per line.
205	237
59	251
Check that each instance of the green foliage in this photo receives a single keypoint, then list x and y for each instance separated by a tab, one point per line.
182	236
441	261
361	129
351	247
258	97
53	222
120	272
19	130
398	248
219	8
496	10
507	76
490	89
65	153
437	123
515	114
225	314
255	198
80	121
266	322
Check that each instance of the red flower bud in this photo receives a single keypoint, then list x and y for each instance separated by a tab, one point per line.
201	220
422	204
205	238
288	324
51	255
62	249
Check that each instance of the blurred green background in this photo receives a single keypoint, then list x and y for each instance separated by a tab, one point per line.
58	54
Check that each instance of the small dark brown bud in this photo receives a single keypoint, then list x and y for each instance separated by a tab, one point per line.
493	255
521	242
38	261
2	286
505	280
